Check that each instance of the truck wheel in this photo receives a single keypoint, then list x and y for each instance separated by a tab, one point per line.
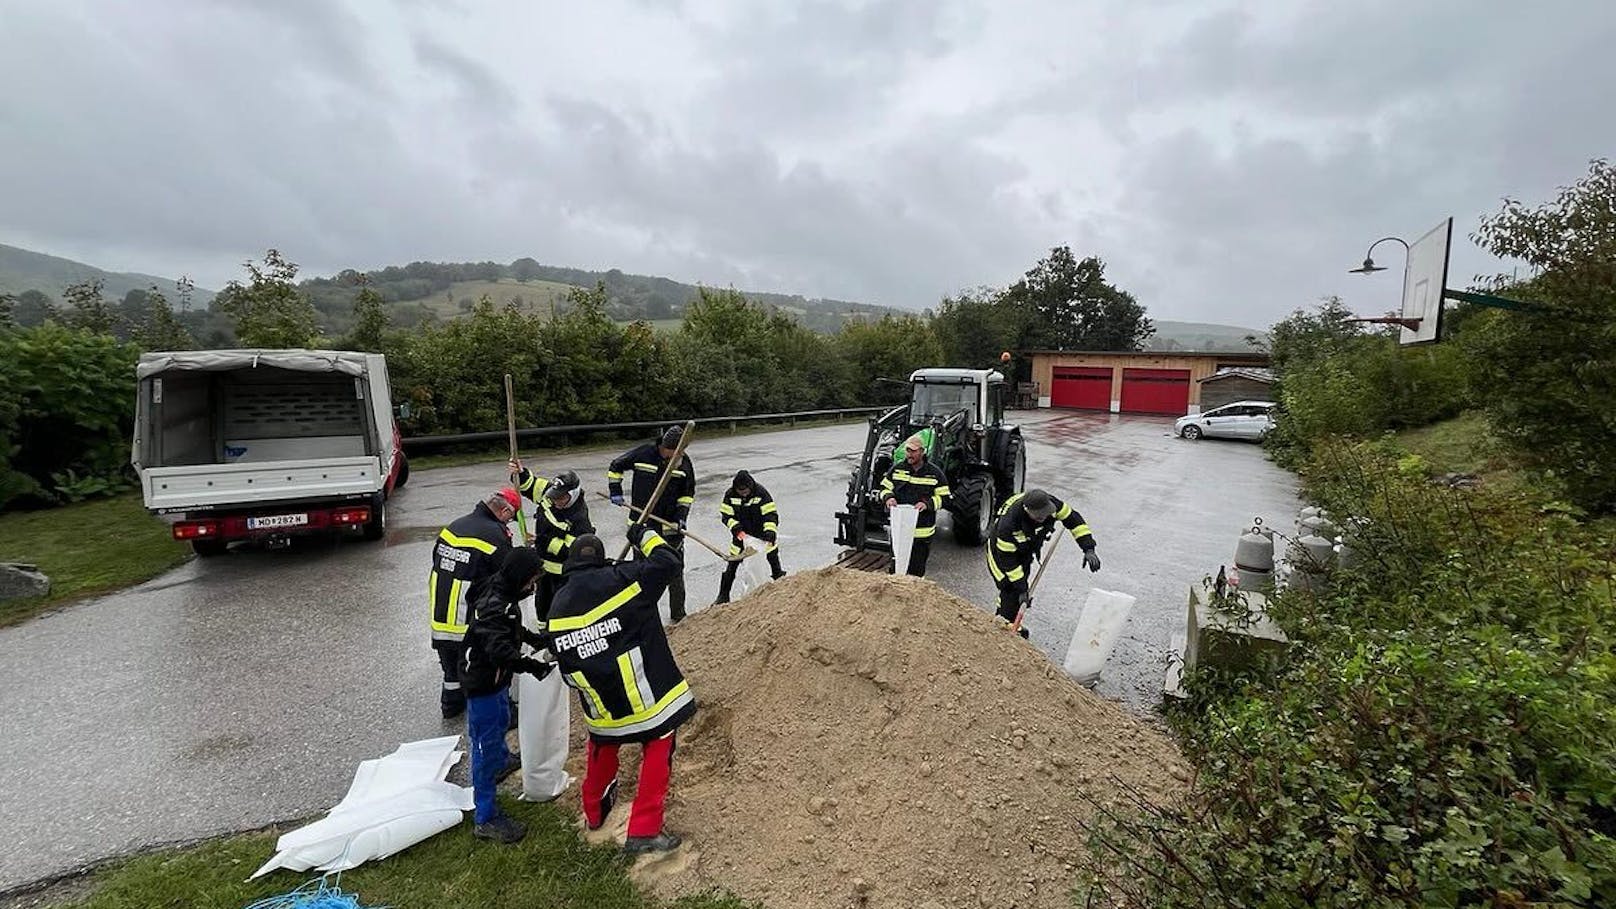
207	549
376	527
403	472
973	509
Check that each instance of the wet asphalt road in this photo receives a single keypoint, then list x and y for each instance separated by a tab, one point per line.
235	692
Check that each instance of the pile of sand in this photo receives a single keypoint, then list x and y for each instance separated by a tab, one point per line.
873	741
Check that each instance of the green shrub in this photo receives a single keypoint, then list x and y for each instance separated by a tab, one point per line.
1442	731
70	396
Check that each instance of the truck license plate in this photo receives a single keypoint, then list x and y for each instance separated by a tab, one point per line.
277	520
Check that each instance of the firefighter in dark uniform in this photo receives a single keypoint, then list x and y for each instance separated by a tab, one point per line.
562	517
647	462
467	554
748	510
917	481
611	648
1024	524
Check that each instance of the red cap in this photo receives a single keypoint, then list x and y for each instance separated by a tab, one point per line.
512	496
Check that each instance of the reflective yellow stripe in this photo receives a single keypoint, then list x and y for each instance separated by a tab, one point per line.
686	500
1010	503
553	567
458	542
649	713
631	684
597	707
925	531
1015	574
574	622
724	508
1081	530
1003	545
614	475
1063	512
454	614
911	478
769	526
651	541
770	508
555	546
531	481
943	490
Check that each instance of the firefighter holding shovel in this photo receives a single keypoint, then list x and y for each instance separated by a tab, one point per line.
1025	522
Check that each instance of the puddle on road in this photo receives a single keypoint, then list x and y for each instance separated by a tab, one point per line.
405	535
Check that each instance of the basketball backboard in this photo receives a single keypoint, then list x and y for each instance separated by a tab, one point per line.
1425	283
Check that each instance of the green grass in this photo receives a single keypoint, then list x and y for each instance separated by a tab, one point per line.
551	868
536	295
88	548
1459	445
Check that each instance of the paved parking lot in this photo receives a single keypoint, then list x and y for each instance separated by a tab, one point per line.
235	692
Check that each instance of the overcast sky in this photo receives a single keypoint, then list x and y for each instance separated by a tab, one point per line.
1228	164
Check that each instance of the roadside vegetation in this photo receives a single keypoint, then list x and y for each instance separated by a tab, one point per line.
552	867
1442	729
86	548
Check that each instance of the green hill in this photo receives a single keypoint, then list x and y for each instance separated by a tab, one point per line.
1172	335
24	270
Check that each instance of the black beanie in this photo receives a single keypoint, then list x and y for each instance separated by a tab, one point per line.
743	480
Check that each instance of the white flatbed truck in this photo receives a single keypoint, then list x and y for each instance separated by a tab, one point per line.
266	444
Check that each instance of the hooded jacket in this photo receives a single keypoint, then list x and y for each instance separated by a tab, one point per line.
496	634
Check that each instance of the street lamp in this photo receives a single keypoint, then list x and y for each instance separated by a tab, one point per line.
1369	267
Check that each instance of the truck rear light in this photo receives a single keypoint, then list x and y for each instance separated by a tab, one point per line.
351	516
196	530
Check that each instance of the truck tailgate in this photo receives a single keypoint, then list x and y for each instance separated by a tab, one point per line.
230	485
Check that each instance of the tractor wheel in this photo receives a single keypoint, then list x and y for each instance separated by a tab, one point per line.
973	509
1010	465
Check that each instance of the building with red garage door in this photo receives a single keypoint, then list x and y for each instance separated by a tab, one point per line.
1158	382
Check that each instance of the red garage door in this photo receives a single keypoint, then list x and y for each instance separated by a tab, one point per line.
1156	391
1081	386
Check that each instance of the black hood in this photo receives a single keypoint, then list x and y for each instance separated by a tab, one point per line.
522	564
742	480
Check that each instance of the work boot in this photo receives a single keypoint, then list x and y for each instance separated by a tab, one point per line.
451	711
777	575
607	800
502	829
662	842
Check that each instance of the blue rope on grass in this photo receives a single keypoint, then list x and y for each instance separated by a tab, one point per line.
315	894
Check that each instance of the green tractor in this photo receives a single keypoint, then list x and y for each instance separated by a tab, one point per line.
960	414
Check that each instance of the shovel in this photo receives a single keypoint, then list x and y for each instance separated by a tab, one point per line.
672	526
1043	563
510	434
667	474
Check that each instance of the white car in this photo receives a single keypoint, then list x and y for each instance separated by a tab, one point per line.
1240	420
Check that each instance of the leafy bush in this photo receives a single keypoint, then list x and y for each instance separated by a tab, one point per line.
70	396
1549	373
1442	731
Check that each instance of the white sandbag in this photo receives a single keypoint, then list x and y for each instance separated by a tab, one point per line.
393	803
541	731
1098	628
754	570
902	530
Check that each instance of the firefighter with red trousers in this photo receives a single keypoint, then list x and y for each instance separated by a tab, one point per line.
608	640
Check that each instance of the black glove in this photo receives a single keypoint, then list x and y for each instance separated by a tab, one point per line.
636	533
771	538
536	668
1091	560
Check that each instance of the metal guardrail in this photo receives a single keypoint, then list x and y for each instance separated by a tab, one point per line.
425	443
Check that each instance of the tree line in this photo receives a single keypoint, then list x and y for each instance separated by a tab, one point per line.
731	354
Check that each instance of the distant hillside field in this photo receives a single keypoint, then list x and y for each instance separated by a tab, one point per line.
1172	335
23	270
